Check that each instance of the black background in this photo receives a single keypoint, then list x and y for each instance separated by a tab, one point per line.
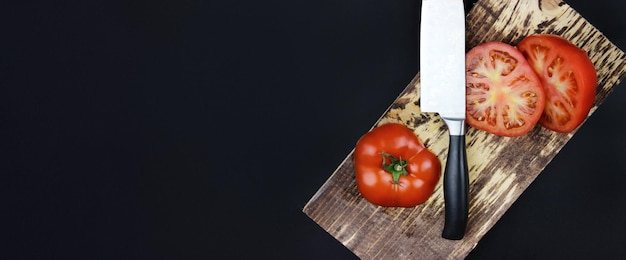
188	129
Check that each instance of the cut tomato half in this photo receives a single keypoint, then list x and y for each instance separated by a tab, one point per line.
504	95
568	77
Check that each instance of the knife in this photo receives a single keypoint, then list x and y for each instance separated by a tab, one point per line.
442	90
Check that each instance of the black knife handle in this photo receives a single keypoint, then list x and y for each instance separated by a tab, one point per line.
455	190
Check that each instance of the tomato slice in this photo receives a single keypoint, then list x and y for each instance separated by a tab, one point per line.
504	95
568	77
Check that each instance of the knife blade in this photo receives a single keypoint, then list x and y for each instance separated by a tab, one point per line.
442	90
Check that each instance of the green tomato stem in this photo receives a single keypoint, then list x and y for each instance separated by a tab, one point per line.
395	166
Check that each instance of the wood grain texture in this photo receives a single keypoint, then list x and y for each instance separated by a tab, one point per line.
500	168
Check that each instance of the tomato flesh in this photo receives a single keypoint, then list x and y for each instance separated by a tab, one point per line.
504	95
568	77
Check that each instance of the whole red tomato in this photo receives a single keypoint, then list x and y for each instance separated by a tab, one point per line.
568	78
504	95
393	168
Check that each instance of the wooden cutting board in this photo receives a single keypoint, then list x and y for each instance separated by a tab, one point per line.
500	168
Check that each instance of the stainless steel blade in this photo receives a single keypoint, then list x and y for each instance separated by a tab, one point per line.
442	60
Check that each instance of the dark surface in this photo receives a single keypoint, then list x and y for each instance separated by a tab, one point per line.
187	129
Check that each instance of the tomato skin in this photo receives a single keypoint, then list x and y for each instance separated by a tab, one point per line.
568	77
504	95
376	185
